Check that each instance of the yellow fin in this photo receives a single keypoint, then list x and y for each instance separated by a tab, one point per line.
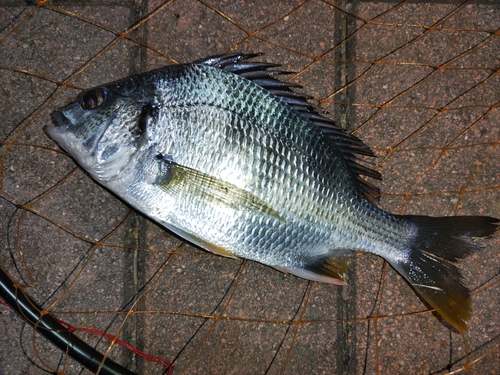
325	269
179	180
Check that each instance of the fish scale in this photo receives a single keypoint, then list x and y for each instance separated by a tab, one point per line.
280	179
289	134
228	157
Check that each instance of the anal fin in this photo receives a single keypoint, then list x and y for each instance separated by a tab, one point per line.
326	269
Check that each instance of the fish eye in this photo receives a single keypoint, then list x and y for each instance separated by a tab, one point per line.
93	99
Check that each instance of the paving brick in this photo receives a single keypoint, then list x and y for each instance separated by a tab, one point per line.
418	81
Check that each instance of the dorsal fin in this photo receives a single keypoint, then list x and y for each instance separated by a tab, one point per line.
259	73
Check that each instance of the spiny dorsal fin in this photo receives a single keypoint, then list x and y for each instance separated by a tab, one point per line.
259	73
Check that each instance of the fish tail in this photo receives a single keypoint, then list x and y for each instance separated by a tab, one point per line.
428	262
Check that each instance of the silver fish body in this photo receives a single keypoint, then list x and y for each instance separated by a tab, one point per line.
229	158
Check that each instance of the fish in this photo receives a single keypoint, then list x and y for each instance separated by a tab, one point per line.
231	158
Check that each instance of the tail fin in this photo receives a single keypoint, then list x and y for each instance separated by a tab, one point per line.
429	268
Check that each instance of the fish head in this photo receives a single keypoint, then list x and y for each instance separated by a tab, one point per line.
102	129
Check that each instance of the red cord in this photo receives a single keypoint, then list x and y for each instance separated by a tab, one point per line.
149	357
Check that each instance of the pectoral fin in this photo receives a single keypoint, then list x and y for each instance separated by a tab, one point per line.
179	180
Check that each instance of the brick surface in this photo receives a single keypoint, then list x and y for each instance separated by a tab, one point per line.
417	80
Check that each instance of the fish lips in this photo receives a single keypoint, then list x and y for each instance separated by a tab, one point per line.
58	121
61	123
58	132
63	133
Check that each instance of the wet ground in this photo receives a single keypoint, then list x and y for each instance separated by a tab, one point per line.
418	81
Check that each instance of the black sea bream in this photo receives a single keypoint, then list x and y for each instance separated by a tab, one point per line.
231	159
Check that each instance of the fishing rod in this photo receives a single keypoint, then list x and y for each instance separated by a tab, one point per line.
54	331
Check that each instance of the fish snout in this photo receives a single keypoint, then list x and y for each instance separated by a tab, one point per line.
60	124
58	119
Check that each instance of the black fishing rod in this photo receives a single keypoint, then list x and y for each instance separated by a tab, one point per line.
58	334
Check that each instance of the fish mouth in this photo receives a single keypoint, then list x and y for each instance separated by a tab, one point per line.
60	121
61	132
